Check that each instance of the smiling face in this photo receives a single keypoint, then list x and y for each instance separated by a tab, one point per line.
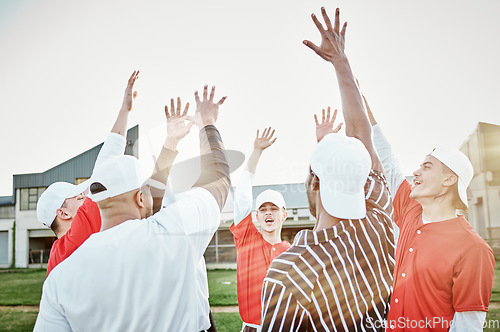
432	180
270	217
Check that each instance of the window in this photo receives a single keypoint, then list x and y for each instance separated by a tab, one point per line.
29	197
80	180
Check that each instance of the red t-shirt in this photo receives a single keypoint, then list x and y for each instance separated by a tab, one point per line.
86	222
254	255
441	268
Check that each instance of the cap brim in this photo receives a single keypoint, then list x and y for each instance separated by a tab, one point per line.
462	192
343	206
78	189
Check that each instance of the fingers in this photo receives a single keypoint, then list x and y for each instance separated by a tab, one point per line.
178	110
196	97
328	115
316	120
323	117
313	47
205	92
257	134
167	114
274	140
212	92
172	107
336	130
337	20
326	18
221	101
185	109
189	125
318	24
342	33
134	94
334	114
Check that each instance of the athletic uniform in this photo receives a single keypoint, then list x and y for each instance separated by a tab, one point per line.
443	269
254	254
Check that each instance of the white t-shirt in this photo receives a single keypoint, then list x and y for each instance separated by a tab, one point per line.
140	275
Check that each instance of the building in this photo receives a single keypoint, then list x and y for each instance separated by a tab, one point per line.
24	241
483	149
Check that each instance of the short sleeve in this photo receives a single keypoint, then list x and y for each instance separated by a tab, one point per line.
50	316
473	280
404	205
194	214
114	145
244	230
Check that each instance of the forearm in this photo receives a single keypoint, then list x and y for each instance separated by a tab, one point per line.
253	160
390	165
243	197
355	117
356	120
120	126
161	171
214	175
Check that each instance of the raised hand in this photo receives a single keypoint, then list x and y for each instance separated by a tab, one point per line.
266	140
206	110
332	39
176	122
129	96
326	126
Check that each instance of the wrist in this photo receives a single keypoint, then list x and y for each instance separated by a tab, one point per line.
339	60
171	143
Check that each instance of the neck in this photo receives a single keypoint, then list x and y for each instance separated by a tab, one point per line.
272	237
324	219
438	208
110	219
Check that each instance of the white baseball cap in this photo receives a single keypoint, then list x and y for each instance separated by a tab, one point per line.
119	175
342	165
53	198
459	164
270	196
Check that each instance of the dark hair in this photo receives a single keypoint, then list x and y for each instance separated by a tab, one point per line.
97	187
55	226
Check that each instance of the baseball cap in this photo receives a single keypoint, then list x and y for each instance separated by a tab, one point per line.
53	198
342	165
119	175
459	164
270	196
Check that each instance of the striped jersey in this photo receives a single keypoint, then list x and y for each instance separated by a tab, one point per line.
336	279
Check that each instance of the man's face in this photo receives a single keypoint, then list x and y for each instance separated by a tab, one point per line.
72	204
270	217
429	179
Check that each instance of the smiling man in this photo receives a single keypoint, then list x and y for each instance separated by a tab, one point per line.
256	250
444	270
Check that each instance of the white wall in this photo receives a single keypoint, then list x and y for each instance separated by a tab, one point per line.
7	225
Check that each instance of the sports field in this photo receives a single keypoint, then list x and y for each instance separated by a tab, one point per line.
21	289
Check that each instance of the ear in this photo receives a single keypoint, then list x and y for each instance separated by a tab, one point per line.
314	184
450	180
285	214
139	199
61	214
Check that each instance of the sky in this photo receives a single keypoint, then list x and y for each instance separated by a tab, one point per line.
428	69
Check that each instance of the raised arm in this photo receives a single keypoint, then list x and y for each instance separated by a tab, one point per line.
115	143
177	128
243	193
392	172
214	175
332	50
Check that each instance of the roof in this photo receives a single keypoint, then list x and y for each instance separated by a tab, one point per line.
6	200
79	166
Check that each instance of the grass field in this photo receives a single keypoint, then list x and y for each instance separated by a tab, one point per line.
21	289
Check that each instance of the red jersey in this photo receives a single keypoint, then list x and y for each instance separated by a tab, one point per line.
86	222
441	268
254	255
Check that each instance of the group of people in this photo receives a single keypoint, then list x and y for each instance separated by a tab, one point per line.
129	258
